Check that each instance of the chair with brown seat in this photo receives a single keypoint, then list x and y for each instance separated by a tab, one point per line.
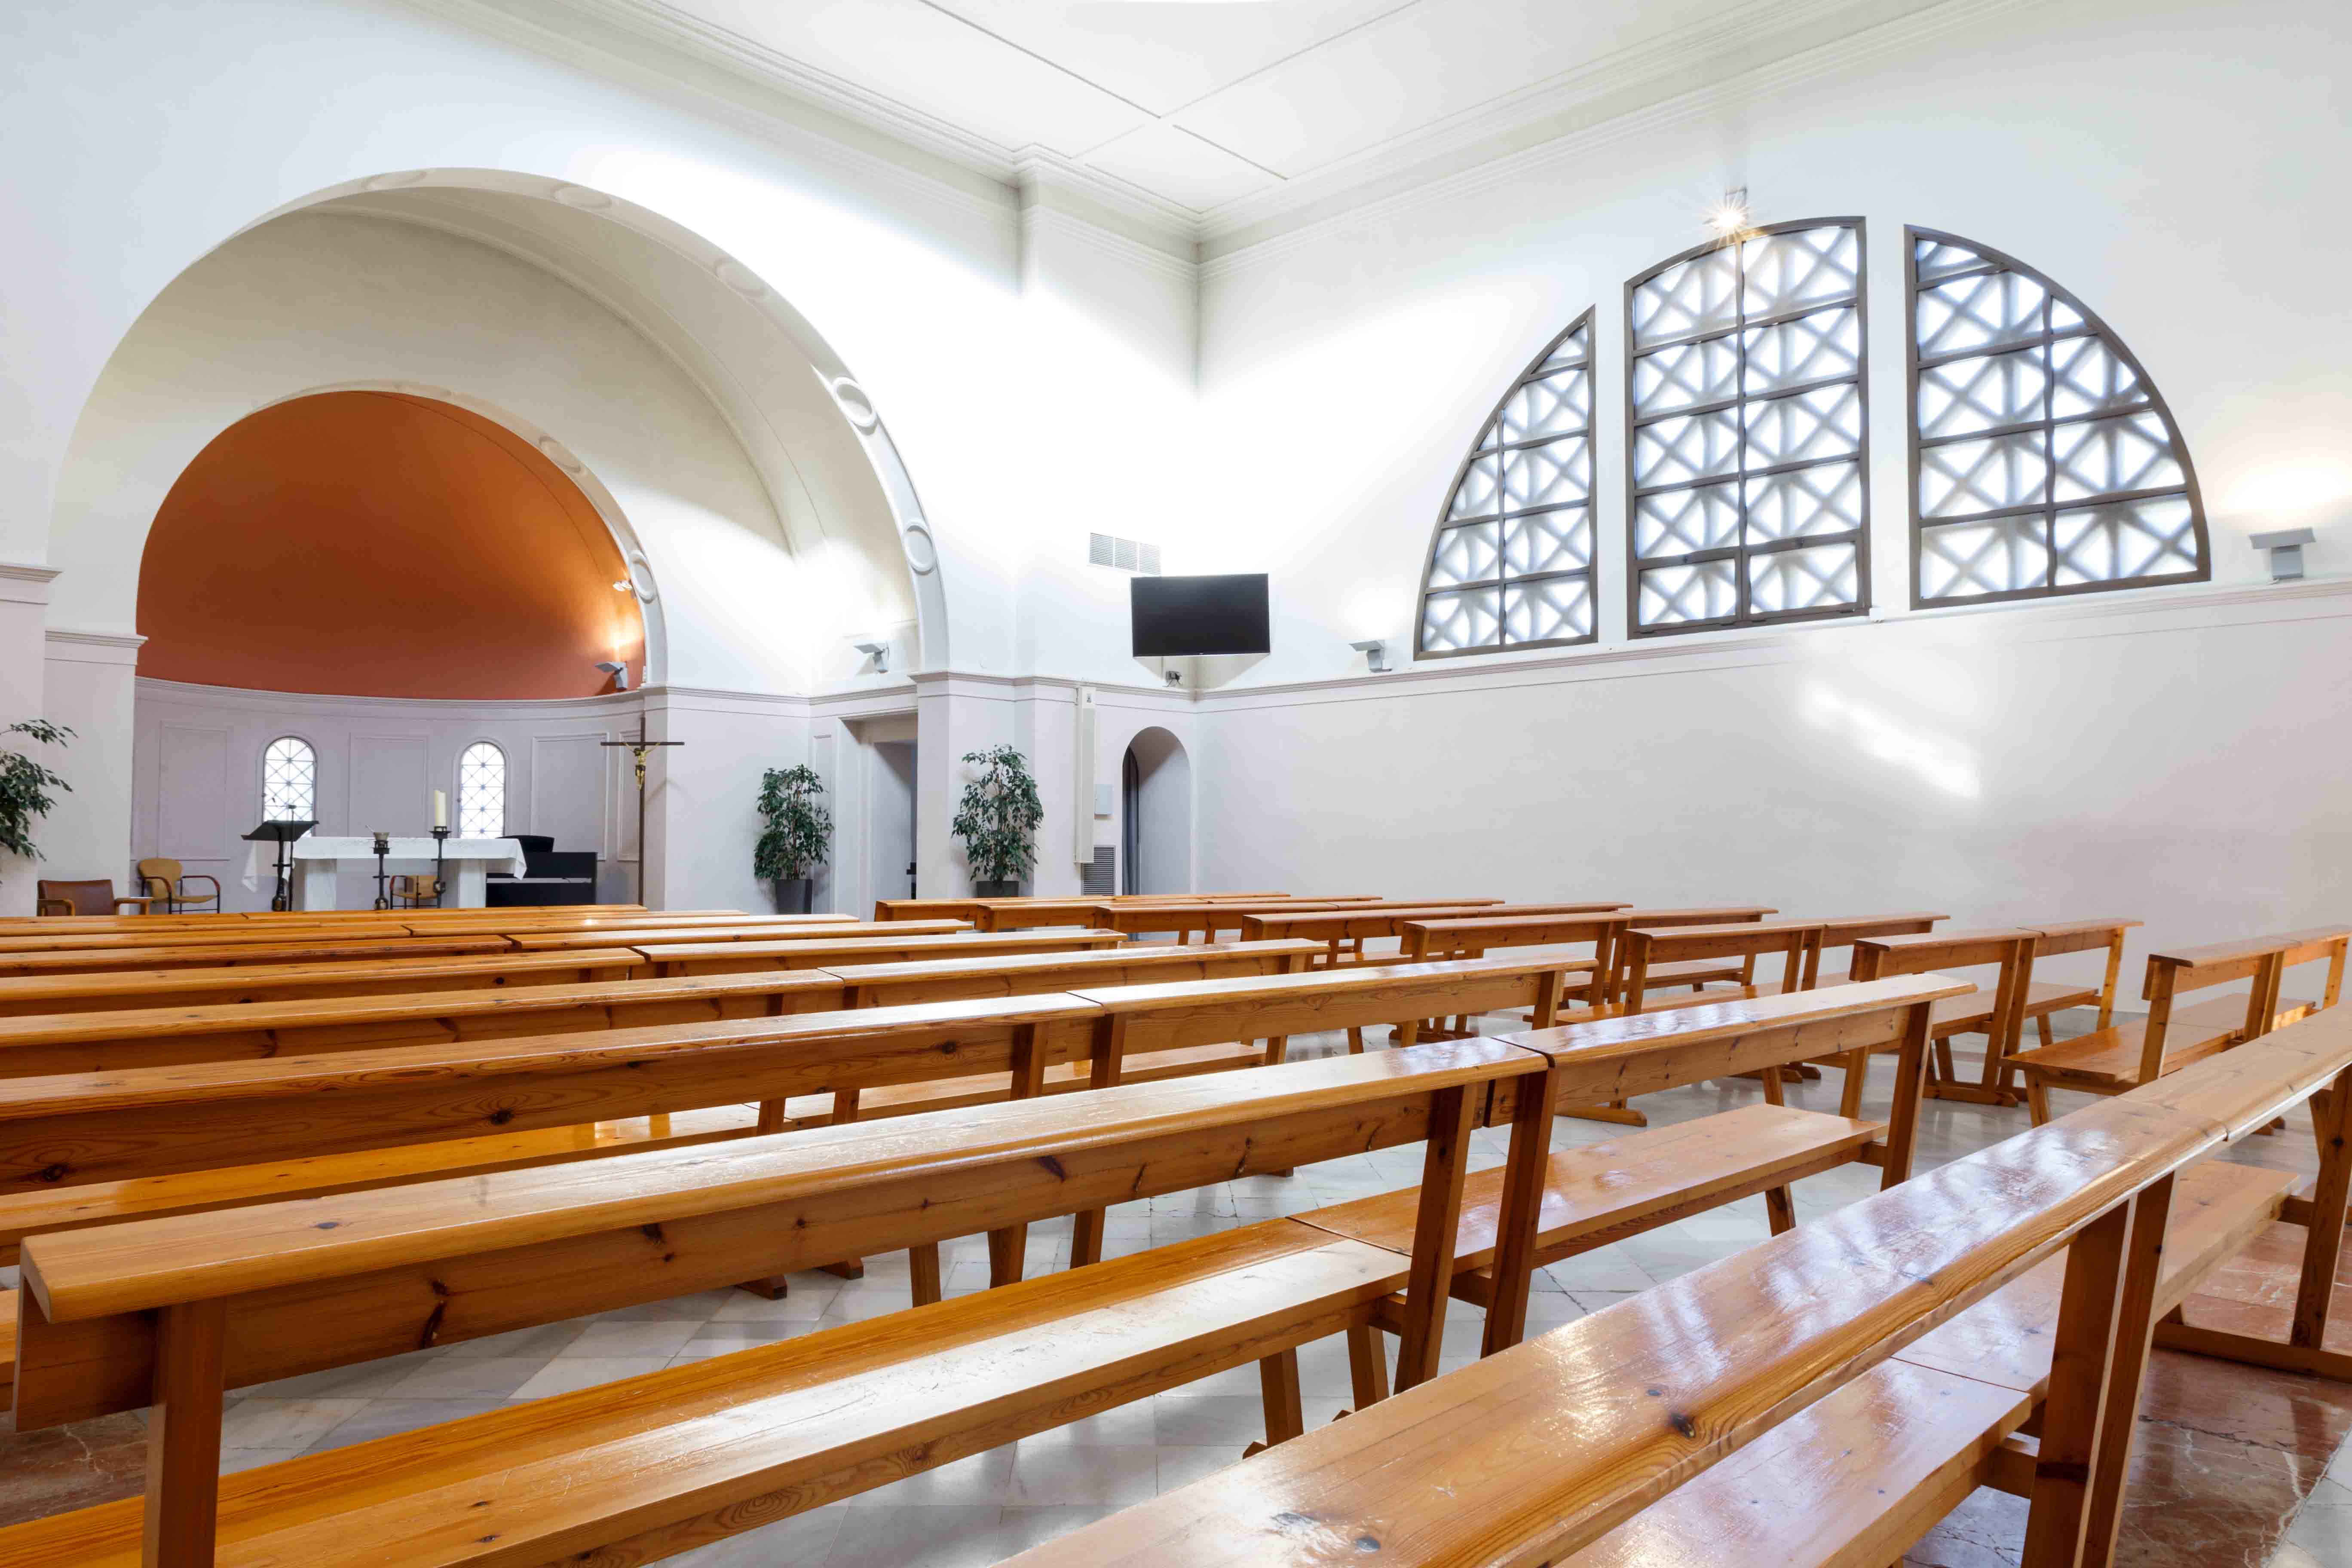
166	884
96	897
415	893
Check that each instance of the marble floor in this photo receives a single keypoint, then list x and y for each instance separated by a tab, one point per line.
2233	1466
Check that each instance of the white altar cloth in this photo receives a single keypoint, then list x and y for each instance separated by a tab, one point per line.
317	862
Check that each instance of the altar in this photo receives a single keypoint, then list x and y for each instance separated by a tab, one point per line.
319	864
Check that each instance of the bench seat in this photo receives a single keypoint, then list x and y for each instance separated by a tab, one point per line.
2108	1059
1863	1474
656	1464
1969	1014
1607	1192
151	1197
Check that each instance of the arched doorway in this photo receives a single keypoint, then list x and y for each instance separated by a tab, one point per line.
1156	816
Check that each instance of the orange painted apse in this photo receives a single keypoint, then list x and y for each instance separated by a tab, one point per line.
373	544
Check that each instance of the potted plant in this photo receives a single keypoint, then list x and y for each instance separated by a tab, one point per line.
997	820
793	843
25	785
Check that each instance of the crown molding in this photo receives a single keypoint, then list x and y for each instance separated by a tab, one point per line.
1647	87
156	688
26	582
79	645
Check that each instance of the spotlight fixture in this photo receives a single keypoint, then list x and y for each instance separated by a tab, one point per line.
619	672
1730	215
1376	653
2285	549
879	652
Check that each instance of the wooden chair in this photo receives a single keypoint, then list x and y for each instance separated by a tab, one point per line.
167	884
1541	1453
414	892
97	897
2112	1060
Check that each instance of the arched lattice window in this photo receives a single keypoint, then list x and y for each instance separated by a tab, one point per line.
1510	564
1749	482
2042	462
289	780
482	792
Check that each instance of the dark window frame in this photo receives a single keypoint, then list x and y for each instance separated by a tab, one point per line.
2048	509
1591	571
1742	553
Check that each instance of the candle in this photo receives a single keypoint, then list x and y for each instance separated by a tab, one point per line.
440	809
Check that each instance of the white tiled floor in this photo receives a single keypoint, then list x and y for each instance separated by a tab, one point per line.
980	1509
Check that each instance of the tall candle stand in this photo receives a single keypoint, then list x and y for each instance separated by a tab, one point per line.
383	848
440	885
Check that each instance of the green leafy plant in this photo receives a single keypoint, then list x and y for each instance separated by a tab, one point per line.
997	818
798	829
25	787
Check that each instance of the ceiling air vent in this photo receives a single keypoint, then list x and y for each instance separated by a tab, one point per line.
1123	554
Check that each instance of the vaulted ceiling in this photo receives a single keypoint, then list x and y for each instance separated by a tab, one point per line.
1216	112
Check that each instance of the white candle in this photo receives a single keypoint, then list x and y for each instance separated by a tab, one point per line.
440	809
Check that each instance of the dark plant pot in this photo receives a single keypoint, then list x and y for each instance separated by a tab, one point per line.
1000	889
793	894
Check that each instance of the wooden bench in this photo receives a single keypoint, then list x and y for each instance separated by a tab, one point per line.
117	990
1539	1452
222	955
2122	1057
829	952
174	1311
1848	929
1696	975
1019	973
644	938
1605	1193
1998	1013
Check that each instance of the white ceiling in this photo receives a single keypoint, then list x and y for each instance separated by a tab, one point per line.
1194	106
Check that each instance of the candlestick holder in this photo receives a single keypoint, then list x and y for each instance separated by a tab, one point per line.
383	848
440	883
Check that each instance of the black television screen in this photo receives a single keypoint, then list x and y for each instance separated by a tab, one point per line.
1177	616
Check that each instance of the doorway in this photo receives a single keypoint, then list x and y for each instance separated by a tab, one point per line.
892	868
1156	818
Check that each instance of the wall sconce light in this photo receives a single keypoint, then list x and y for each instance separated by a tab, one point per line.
1728	217
619	672
2286	547
879	652
1376	653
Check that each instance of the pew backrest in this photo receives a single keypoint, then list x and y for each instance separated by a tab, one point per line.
113	990
1645	947
827	953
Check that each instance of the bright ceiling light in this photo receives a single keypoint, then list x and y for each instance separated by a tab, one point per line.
1730	215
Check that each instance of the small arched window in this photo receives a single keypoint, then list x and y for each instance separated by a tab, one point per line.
289	780
482	792
2042	460
1510	564
1749	487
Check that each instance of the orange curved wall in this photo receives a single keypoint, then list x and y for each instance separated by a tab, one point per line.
371	544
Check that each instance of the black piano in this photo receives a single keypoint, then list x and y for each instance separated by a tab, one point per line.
551	876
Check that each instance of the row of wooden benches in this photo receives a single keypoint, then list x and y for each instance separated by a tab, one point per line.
1626	1403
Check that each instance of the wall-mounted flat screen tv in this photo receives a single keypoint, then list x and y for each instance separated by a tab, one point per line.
1176	617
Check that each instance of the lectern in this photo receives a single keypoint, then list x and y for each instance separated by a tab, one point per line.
282	833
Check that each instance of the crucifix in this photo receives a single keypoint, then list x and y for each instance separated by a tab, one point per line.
640	749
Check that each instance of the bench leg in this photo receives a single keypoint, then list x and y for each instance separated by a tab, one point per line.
1779	1205
2037	1099
774	1287
2331	1127
1368	1365
1428	1285
1006	1249
1086	1239
184	1437
1519	1217
2081	1352
1857	1071
853	1269
1277	1377
1355	1042
1616	1112
2135	1329
923	1263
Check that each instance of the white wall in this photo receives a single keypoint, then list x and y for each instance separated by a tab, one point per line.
195	775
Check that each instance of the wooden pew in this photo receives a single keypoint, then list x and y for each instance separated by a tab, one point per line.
174	1311
743	957
643	937
1209	919
109	1041
1998	1014
1695	975
2111	1060
1605	1193
1847	930
978	909
1539	1452
104	991
1344	930
221	956
1654	956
